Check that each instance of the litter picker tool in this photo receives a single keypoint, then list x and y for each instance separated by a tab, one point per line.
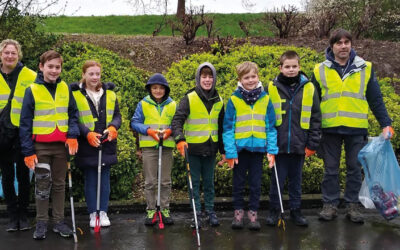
281	221
71	198
158	213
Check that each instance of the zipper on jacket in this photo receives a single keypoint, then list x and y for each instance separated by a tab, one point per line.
290	123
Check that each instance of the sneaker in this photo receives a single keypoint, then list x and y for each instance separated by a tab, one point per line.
199	218
92	217
212	218
328	213
273	217
63	229
253	224
353	213
166	217
24	223
298	218
148	221
40	231
237	222
104	220
12	225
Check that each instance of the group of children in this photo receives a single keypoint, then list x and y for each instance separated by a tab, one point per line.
281	122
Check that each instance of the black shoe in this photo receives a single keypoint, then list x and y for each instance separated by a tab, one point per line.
148	221
40	231
273	217
212	218
24	223
63	229
298	218
353	213
166	217
193	224
12	225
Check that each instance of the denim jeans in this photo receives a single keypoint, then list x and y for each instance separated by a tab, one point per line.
91	188
287	165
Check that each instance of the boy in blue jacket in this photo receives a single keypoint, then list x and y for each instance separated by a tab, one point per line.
249	133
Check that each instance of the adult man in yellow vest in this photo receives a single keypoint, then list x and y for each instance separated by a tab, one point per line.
347	87
14	79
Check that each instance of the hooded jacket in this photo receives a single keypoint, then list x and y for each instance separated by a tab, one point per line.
208	148
291	137
373	93
87	155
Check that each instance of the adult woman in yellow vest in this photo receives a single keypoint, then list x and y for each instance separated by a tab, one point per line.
49	124
347	88
153	115
197	126
14	79
98	114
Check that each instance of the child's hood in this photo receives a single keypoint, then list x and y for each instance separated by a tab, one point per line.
211	93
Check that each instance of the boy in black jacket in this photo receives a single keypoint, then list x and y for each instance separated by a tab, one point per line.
298	121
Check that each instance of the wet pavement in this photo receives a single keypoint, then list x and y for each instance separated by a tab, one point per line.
128	232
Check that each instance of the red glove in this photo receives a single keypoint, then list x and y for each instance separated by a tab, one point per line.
309	152
388	132
112	133
181	147
72	146
153	133
232	162
31	161
271	159
167	132
93	139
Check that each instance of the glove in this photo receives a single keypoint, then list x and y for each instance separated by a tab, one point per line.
271	159
72	145
309	152
181	147
112	133
153	133
167	132
232	162
388	132
31	161
93	139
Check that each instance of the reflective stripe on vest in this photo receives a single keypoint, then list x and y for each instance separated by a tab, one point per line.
50	112
200	124
306	104
250	121
156	121
25	78
85	114
343	101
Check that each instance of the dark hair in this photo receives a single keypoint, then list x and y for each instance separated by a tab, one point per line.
338	34
289	54
50	55
206	71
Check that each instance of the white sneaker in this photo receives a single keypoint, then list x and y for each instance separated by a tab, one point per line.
104	220
92	222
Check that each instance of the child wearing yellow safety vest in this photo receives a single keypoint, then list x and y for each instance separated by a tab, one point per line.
49	124
152	118
249	134
298	121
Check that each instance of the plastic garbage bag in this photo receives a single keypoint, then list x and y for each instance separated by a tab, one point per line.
382	176
15	183
365	197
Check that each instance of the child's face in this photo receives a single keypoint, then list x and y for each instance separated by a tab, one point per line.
157	91
249	80
92	76
206	81
290	67
51	70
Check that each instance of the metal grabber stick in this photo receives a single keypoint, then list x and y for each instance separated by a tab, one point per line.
158	213
71	198
281	219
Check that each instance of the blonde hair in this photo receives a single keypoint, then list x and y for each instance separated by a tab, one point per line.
16	44
245	68
86	65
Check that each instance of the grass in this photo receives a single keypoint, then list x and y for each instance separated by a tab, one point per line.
225	24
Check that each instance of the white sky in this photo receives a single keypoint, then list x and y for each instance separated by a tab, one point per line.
121	7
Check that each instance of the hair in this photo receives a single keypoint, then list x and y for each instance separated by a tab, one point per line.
50	55
245	68
86	65
290	54
338	34
16	44
206	71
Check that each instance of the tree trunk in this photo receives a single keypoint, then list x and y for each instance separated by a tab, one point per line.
180	12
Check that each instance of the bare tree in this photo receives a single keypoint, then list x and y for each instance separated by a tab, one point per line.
284	20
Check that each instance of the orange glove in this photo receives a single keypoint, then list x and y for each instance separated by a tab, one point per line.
388	132
309	152
232	162
271	159
153	133
112	133
31	161
167	132
181	147
72	146
93	139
